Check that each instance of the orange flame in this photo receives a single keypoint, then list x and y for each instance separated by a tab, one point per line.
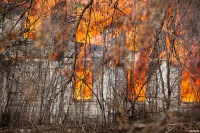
83	79
40	10
190	88
103	15
190	78
83	85
137	77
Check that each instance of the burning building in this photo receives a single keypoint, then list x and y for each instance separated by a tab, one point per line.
106	69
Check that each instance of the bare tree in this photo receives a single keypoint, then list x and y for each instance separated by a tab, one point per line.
103	61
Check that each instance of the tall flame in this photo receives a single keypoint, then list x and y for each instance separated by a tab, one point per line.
137	77
191	77
83	85
83	79
40	10
105	14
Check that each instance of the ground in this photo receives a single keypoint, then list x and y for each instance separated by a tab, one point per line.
191	127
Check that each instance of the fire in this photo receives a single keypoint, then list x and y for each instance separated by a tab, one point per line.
83	85
103	17
32	23
105	14
83	78
190	88
136	87
188	58
136	77
190	83
40	10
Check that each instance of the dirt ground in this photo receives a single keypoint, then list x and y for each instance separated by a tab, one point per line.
193	127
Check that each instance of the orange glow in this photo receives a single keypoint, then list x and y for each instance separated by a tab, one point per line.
104	15
7	1
136	75
190	88
32	23
136	87
83	78
83	85
190	91
40	10
188	57
136	78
